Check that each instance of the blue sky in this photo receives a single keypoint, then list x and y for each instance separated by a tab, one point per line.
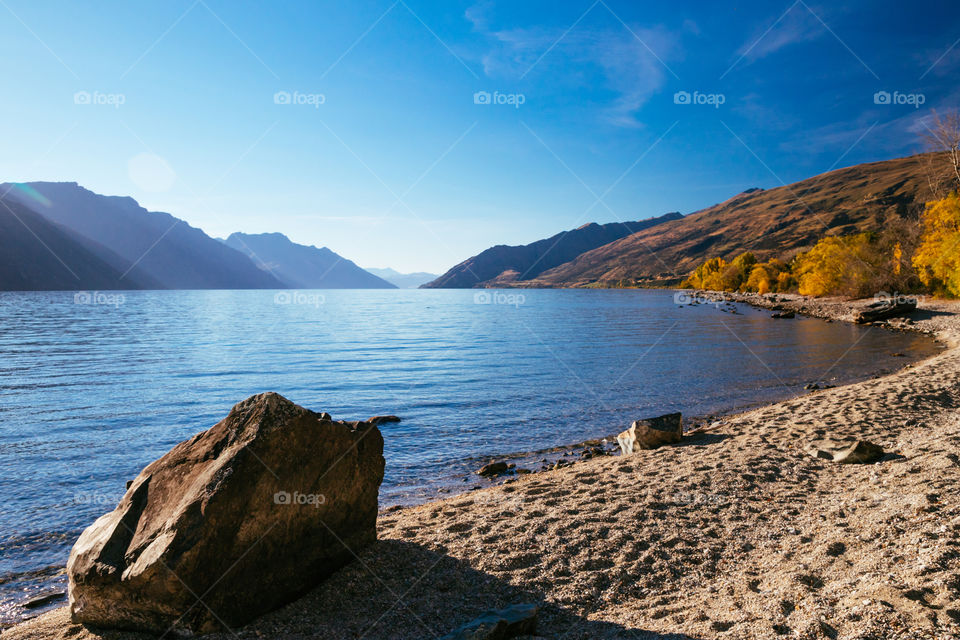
364	126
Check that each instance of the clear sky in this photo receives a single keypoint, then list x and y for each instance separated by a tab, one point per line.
363	126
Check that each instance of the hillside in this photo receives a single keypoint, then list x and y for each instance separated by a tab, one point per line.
505	265
301	266
773	223
164	249
37	255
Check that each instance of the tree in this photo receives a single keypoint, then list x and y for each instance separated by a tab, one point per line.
898	241
737	273
937	259
942	136
765	277
707	276
837	265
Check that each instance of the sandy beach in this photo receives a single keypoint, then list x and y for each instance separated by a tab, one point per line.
736	533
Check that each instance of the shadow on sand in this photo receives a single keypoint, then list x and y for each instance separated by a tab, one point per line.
399	590
925	314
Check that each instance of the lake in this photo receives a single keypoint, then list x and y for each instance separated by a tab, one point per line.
94	386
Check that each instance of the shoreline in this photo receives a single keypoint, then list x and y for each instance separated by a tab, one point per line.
830	309
460	476
736	533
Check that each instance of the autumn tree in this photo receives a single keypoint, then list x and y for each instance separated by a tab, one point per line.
738	272
765	277
707	276
836	265
937	259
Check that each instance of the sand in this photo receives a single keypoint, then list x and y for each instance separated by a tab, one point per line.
737	533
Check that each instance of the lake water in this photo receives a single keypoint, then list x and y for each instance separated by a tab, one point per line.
94	387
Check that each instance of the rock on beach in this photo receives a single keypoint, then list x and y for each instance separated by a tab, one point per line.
651	433
234	522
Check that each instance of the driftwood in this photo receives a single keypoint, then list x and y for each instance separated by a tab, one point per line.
885	309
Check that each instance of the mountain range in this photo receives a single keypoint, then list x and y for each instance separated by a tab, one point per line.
61	236
777	222
157	249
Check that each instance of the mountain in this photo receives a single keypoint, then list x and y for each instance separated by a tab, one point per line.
38	255
506	265
303	267
155	246
404	280
777	222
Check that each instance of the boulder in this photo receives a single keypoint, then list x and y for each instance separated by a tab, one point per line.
883	309
651	433
520	619
378	420
784	314
234	522
846	452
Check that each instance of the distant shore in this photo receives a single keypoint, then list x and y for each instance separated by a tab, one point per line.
737	533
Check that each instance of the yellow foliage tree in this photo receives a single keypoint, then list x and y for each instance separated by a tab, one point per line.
765	277
743	273
707	276
937	259
837	265
736	275
785	281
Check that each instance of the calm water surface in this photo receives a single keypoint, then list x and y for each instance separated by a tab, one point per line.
90	393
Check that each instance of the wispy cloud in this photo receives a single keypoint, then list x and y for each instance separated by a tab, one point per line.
942	62
796	25
800	23
598	52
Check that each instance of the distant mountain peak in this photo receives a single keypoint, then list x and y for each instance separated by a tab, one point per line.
304	266
403	280
268	234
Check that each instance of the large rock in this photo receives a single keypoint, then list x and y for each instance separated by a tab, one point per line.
651	433
886	308
231	523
